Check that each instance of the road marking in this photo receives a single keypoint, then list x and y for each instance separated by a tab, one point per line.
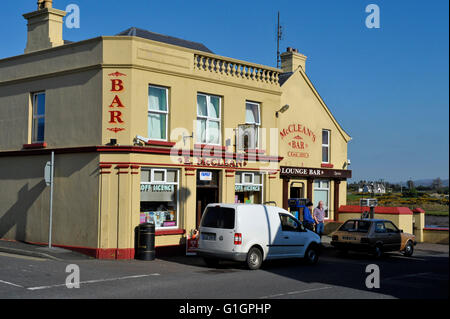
295	292
407	276
10	283
94	281
22	256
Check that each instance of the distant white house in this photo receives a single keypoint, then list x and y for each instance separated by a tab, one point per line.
372	187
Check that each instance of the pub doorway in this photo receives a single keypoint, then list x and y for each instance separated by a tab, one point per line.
207	191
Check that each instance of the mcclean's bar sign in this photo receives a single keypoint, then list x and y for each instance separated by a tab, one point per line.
293	172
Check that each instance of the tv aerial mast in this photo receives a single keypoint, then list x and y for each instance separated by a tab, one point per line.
279	38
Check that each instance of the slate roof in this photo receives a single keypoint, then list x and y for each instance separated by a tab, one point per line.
141	33
284	77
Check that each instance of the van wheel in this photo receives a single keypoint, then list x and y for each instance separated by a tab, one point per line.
211	262
312	254
254	258
409	249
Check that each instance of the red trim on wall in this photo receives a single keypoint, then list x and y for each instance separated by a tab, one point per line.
170	232
105	172
35	145
161	143
134	166
123	166
105	166
150	150
418	210
378	210
190	169
436	228
326	165
189	166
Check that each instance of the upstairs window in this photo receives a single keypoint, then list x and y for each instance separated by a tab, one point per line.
208	119
38	122
248	134
326	146
158	111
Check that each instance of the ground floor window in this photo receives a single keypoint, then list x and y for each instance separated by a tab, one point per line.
322	193
249	188
159	197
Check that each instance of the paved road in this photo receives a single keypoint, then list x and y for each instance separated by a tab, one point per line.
425	275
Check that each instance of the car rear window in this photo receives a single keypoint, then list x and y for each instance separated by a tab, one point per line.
219	217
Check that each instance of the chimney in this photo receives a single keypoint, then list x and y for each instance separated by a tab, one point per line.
45	27
291	59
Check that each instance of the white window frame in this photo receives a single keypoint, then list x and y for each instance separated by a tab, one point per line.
166	112
326	145
208	119
256	124
35	117
177	183
242	183
322	188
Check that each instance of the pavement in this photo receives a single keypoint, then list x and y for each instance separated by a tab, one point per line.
29	271
56	253
39	251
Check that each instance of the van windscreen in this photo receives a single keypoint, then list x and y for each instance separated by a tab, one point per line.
218	217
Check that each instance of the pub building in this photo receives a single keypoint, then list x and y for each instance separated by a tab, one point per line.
150	128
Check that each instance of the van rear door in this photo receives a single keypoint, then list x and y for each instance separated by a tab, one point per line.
217	228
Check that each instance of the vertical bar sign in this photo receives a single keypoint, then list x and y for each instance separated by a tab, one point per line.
48	176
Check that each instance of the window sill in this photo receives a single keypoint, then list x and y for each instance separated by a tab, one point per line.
160	143
209	146
170	232
255	151
325	165
35	145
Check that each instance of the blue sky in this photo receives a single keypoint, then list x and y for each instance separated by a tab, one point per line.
387	87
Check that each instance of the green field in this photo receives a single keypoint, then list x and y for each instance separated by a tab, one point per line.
431	205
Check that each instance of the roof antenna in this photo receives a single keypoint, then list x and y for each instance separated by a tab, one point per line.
279	38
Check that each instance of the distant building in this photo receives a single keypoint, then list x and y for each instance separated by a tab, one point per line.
372	187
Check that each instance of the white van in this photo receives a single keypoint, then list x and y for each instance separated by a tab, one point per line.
252	234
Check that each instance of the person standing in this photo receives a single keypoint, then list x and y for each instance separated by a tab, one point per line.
308	220
319	216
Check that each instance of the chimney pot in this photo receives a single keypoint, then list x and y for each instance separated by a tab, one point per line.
45	27
292	59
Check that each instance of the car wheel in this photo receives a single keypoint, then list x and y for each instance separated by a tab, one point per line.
254	258
378	251
409	249
211	262
312	254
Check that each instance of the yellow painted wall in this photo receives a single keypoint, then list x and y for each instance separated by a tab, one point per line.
24	199
95	210
436	236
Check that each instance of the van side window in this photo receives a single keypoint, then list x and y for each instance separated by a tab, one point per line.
288	223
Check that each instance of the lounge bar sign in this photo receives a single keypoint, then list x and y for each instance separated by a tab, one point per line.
296	172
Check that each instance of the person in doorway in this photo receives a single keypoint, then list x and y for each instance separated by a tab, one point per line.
308	221
319	216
